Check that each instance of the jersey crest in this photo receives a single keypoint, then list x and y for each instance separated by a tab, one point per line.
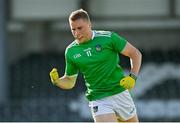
98	47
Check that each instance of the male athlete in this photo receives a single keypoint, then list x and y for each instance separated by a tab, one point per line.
95	54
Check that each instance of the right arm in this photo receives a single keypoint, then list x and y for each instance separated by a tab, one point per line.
65	82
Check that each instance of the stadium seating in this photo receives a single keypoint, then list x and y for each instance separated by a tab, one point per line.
33	97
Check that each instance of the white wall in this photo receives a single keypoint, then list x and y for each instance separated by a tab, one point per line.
177	7
42	9
129	7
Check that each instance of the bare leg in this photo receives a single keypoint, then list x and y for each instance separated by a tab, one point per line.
133	119
106	118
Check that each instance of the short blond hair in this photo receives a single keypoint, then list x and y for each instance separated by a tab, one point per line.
79	14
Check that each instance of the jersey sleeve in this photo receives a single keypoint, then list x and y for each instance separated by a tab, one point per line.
118	42
71	69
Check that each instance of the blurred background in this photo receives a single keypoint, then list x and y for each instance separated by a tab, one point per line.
35	33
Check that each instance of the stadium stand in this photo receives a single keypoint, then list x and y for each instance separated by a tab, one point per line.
34	98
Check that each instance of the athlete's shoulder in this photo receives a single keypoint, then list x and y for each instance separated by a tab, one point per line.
70	46
102	33
74	43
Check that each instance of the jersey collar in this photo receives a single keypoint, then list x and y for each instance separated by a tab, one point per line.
93	35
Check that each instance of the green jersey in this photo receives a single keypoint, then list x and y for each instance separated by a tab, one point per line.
98	60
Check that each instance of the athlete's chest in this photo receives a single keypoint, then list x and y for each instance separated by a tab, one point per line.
94	53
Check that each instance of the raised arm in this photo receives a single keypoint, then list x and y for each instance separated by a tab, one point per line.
65	82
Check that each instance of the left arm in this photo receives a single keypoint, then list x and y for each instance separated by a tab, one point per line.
125	48
135	57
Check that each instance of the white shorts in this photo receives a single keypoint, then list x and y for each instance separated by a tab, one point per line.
121	104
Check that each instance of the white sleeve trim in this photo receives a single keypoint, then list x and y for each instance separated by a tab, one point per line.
75	75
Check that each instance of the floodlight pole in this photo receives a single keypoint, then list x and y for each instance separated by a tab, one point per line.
3	63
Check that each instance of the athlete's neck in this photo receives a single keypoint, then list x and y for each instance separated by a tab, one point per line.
90	36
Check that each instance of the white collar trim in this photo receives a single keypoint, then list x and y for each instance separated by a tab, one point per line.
93	35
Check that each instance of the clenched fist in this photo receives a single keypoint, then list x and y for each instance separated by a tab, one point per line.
54	75
128	82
